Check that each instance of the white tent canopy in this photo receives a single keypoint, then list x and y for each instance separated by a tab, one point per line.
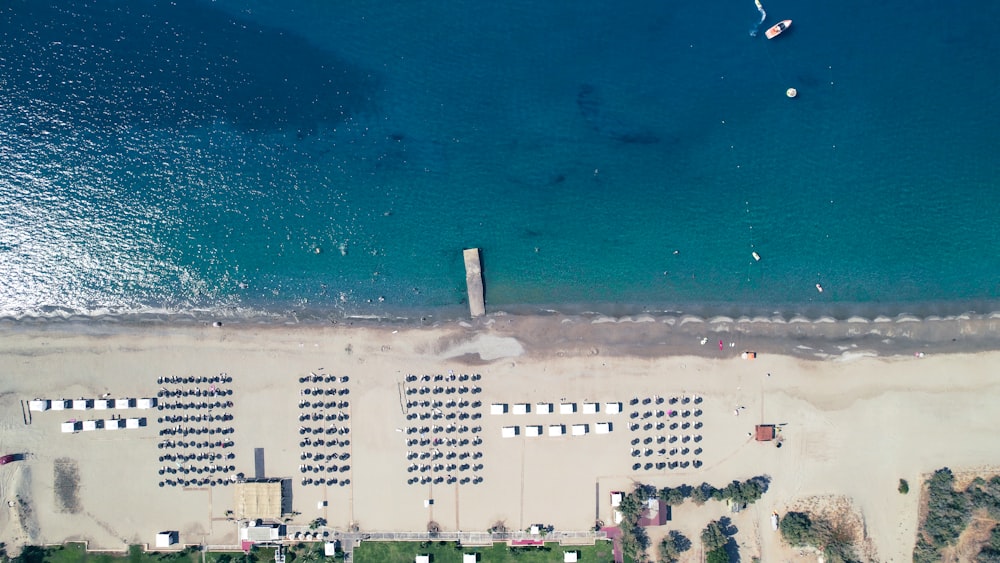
72	426
580	429
103	404
567	408
557	429
79	404
603	427
612	408
123	403
112	423
90	425
543	408
134	422
59	405
533	430
522	408
509	431
591	408
498	408
166	539
38	405
146	403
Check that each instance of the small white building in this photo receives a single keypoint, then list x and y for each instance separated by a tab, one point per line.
79	404
543	408
557	429
103	404
567	408
123	403
330	548
91	425
469	558
38	405
113	423
166	539
571	557
522	408
533	430
612	408
602	427
146	403
498	408
580	429
59	405
591	408
422	559
616	498
133	423
72	426
509	431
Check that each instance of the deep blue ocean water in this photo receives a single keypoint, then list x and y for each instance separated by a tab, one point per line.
336	157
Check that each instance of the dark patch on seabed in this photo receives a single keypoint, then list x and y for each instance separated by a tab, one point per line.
105	65
592	108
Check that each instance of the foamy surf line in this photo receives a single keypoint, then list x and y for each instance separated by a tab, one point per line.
647	334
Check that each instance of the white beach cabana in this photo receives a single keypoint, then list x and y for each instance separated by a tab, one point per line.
591	408
38	405
498	408
571	557
103	404
567	408
612	408
522	408
166	539
112	423
79	404
602	427
91	425
330	548
72	426
580	429
533	430
616	498
133	423
469	558
59	405
146	403
123	403
422	559
557	429
543	408
509	431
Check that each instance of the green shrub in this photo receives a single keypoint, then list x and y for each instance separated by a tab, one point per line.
904	487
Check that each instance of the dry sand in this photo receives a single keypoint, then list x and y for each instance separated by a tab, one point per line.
851	425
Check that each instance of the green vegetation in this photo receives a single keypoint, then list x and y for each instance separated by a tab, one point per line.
635	542
746	492
715	541
990	553
673	546
904	487
450	552
834	539
77	553
949	512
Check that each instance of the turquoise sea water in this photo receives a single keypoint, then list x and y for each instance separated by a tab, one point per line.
335	157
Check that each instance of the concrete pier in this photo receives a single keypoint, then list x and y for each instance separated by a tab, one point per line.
474	282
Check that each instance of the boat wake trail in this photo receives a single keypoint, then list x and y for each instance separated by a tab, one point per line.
763	16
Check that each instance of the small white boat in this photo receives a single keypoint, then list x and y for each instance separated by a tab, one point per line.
776	29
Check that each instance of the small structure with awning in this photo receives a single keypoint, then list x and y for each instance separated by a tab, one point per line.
557	429
567	408
38	405
580	429
166	539
498	408
591	408
612	408
509	431
765	432
543	408
533	430
602	427
522	408
72	426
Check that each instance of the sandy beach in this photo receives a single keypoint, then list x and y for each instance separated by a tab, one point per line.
852	422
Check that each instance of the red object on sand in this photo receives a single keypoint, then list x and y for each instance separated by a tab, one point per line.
4	460
720	345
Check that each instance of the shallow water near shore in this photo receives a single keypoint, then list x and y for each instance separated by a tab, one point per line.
302	163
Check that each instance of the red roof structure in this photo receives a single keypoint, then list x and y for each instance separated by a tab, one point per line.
765	432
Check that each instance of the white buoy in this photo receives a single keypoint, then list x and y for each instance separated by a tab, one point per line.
791	92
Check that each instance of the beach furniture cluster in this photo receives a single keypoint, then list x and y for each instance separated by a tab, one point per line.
565	408
324	429
115	423
443	442
666	432
196	446
112	422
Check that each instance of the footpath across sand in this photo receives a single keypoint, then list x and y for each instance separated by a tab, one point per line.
851	426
